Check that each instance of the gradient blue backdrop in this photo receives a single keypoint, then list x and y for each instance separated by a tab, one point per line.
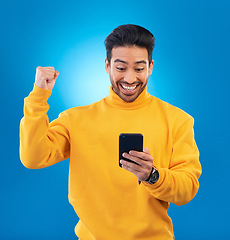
191	71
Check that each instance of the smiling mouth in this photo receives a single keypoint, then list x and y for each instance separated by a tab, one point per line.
129	88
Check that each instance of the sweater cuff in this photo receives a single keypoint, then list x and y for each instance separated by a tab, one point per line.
39	95
156	185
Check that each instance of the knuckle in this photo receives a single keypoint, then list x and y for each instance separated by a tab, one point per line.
150	164
150	158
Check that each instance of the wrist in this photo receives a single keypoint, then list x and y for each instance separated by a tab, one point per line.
39	95
153	177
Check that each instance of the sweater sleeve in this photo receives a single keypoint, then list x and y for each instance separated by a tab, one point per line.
42	144
178	184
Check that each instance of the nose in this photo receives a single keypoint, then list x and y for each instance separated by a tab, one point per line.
130	77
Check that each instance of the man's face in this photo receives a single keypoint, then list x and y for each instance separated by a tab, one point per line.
129	70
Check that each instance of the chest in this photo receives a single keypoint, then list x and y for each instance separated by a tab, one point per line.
96	135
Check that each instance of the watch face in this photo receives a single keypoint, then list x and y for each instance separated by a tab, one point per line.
154	176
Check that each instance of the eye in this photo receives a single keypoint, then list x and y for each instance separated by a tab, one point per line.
139	69
120	68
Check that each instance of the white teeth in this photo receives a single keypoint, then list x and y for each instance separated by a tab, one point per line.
128	88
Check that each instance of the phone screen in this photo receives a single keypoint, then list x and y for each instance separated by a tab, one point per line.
129	141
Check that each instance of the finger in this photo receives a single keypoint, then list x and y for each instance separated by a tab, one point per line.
132	158
51	75
130	166
142	155
130	169
48	68
45	68
56	74
48	71
146	150
140	173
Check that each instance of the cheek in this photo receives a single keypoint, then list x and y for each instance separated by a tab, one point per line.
116	76
143	77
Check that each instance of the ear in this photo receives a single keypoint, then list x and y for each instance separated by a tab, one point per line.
151	67
107	66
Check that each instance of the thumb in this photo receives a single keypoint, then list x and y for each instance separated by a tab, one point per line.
56	74
146	150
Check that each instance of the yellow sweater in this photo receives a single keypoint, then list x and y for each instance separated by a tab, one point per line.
107	199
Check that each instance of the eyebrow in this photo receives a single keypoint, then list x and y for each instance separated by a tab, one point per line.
122	61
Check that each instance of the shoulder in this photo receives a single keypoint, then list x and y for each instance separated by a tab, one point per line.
82	110
173	113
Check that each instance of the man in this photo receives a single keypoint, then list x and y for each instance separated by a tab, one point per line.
107	198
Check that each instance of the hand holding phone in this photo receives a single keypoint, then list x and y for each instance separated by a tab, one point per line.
143	159
129	141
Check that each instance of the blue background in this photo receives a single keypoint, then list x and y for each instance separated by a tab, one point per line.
191	71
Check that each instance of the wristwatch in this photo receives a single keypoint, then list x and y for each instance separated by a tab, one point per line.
154	176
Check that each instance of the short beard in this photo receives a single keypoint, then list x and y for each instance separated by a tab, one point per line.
117	92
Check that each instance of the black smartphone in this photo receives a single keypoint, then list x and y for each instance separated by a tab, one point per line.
129	141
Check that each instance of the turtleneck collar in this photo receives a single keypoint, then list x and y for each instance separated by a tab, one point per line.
115	101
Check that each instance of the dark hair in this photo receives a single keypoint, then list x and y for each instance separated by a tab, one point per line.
130	35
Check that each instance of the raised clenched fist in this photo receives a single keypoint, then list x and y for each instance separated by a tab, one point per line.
46	77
